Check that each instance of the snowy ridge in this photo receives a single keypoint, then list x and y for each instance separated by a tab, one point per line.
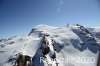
95	31
52	44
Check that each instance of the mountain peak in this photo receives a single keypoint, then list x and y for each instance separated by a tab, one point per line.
44	26
52	44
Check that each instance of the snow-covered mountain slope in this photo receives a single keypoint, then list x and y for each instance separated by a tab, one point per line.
95	31
51	46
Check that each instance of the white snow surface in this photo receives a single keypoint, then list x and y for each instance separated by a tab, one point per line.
68	46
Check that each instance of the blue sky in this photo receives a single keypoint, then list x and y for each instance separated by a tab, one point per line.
17	17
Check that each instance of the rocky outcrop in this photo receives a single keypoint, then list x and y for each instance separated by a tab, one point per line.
98	59
23	60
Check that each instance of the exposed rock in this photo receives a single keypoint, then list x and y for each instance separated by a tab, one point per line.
98	60
23	60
